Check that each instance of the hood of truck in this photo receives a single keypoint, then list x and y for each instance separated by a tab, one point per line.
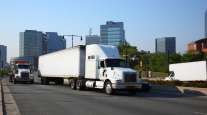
23	70
122	70
117	72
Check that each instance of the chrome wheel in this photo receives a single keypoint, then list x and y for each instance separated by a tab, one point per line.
108	88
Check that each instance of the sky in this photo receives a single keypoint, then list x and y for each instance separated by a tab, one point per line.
144	20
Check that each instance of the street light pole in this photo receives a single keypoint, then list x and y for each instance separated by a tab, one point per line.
72	41
73	36
126	46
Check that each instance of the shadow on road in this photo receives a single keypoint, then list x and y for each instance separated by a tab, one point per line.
156	91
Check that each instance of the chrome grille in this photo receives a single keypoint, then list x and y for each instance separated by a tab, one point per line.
25	75
130	77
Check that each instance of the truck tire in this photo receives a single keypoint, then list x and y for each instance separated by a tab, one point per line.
108	88
44	81
32	81
80	85
15	81
73	84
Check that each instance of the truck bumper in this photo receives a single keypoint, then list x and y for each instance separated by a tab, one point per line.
127	86
24	80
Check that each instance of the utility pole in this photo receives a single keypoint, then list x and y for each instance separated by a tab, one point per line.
73	36
126	52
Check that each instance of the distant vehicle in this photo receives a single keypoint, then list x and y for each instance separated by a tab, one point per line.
191	71
21	71
91	66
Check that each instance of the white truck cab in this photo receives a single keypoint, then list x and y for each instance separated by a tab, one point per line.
22	72
104	64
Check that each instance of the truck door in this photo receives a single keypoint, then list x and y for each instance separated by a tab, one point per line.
102	70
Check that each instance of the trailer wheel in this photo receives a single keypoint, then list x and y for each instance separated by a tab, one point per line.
108	88
32	81
44	81
73	84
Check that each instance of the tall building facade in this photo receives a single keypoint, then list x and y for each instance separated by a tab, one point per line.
165	45
92	39
206	24
32	43
55	42
112	33
3	56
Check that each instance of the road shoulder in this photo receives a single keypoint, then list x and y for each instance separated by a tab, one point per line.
11	106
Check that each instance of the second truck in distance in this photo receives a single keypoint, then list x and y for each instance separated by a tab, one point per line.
91	66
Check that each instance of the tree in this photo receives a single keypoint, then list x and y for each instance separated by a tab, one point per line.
189	57
130	53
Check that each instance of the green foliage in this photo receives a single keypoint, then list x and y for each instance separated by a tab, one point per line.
187	57
157	62
4	72
131	52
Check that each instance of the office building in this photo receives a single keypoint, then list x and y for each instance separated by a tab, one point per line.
199	46
112	33
55	42
32	43
92	39
3	56
165	45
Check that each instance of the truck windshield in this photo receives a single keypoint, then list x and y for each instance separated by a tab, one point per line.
23	66
115	63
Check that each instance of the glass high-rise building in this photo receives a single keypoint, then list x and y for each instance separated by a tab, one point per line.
165	45
32	43
3	56
55	42
92	39
112	33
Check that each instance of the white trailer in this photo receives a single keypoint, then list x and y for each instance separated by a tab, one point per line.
64	64
191	71
91	66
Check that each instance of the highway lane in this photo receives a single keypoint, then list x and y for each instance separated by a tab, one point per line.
39	99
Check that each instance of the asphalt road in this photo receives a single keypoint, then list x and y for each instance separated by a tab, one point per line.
39	99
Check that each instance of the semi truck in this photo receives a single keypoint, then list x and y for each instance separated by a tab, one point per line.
21	71
90	66
190	71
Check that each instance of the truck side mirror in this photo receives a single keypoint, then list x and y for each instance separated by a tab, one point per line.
102	64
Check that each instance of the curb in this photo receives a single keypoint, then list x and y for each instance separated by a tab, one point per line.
1	100
10	103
